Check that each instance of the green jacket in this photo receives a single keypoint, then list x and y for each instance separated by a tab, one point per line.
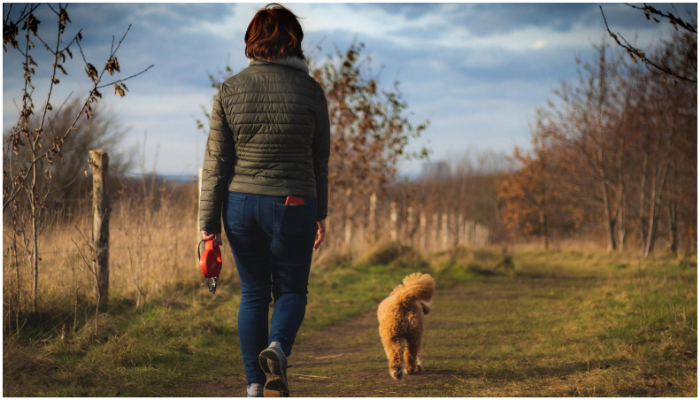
269	135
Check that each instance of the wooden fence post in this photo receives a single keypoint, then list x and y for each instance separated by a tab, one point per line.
100	221
394	218
373	218
435	236
445	232
458	229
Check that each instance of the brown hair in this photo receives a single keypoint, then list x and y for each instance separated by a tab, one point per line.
273	33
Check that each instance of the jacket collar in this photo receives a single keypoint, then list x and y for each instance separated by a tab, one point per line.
294	62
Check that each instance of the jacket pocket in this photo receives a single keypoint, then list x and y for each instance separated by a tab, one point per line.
234	209
295	220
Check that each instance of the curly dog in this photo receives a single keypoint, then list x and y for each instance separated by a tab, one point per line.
401	317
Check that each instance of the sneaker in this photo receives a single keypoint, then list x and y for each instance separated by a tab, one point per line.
274	363
255	390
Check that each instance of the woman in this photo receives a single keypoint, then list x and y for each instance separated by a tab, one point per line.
268	145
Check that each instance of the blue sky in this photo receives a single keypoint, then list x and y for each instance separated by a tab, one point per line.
478	70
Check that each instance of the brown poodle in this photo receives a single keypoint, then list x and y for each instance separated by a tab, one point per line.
401	317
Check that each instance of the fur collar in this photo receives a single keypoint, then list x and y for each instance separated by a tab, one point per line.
294	62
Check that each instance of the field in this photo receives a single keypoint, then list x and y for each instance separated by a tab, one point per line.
528	323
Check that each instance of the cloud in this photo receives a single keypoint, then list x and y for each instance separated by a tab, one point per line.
477	70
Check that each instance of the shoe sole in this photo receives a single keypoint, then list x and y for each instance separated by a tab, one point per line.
276	384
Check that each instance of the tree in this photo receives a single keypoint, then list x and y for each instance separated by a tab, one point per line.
24	195
369	128
533	197
592	120
102	131
621	147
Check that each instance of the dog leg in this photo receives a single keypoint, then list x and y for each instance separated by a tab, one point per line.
412	354
392	347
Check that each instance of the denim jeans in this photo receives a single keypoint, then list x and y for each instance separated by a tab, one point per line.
272	245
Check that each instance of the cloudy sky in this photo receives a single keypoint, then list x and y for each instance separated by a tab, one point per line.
478	71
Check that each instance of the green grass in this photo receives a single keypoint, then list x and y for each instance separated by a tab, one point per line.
545	324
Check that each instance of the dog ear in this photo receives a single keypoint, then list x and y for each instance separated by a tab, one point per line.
426	308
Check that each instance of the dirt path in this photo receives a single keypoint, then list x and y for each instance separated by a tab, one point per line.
347	359
528	335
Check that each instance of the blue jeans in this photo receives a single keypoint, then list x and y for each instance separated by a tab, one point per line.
272	245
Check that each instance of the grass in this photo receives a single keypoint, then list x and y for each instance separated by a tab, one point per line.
556	323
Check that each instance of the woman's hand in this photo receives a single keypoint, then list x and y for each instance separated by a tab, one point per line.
216	237
320	234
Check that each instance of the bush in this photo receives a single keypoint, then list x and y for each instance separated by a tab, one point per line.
384	253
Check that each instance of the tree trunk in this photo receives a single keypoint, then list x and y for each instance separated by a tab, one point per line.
543	224
673	214
609	220
642	203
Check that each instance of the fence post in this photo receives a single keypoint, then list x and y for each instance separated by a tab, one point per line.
445	232
100	221
394	217
458	229
373	218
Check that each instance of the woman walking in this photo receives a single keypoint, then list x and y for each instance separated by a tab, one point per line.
266	170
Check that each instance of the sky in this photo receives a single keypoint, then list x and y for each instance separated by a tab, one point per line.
478	71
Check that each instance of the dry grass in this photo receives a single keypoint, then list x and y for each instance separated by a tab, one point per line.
150	252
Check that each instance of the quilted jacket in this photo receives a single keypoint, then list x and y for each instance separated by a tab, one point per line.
269	135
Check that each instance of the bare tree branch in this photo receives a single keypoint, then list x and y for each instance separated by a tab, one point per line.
638	54
673	19
125	79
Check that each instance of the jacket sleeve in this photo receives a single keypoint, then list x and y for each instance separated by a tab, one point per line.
219	160
321	152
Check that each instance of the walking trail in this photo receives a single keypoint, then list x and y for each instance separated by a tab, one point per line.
496	336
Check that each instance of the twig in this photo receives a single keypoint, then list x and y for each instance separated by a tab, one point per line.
54	11
672	18
7	18
310	376
75	39
125	79
45	45
636	52
80	172
120	41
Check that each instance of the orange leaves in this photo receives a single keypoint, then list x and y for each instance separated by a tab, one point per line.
112	65
63	19
120	89
31	24
9	35
91	71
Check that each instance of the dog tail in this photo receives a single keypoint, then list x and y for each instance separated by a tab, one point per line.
417	286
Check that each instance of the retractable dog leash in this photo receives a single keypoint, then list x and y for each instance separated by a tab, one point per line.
210	263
